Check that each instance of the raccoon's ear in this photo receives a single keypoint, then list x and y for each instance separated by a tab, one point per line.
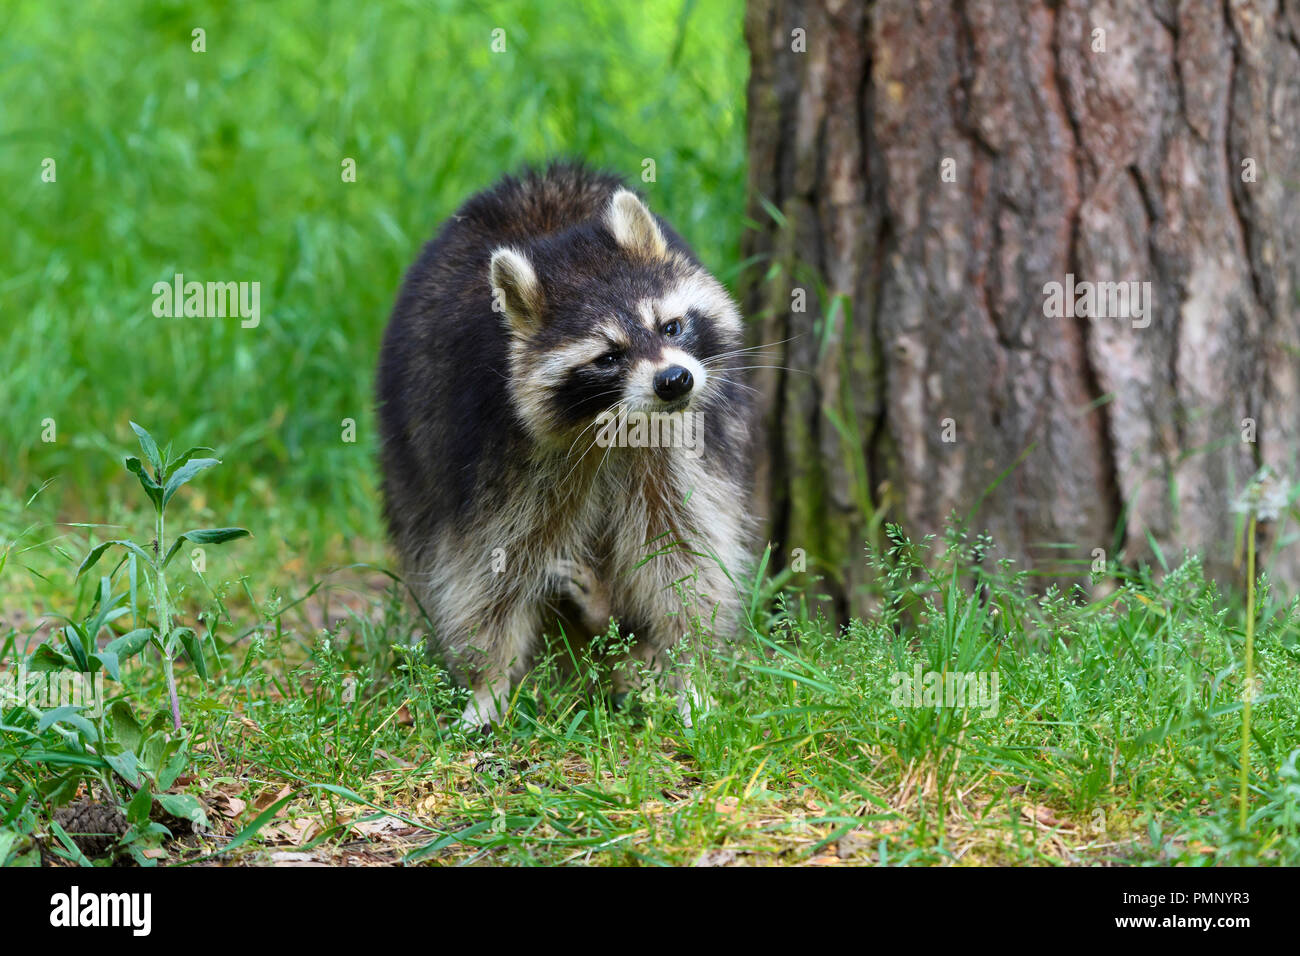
515	289
634	226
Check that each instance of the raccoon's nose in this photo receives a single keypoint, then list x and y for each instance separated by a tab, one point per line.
673	382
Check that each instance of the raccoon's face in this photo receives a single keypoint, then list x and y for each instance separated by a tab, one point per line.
607	319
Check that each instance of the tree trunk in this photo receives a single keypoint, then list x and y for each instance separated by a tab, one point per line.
929	374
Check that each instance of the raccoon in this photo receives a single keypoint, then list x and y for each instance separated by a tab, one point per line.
548	320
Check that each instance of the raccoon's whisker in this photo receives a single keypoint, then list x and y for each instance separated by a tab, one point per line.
594	421
572	489
601	464
576	461
618	404
752	348
785	368
723	359
733	382
610	391
724	363
578	437
764	345
727	404
622	410
715	362
727	400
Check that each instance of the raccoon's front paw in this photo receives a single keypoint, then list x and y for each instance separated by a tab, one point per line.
577	582
483	708
692	703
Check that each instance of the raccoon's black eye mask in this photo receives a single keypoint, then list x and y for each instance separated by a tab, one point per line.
614	357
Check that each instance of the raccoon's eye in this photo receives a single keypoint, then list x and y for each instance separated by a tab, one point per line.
608	360
673	328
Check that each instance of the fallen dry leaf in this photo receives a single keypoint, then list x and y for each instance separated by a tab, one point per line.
1044	815
266	798
385	826
227	805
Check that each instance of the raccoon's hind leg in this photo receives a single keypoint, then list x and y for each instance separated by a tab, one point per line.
578	583
486	706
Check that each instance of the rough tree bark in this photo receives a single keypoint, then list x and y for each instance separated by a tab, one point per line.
925	298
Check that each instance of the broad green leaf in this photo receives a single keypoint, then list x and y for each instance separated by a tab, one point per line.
184	473
149	446
130	644
75	641
204	536
98	551
137	811
176	639
45	658
186	806
193	645
103	603
107	612
161	721
173	463
155	750
63	787
107	660
151	487
113	613
172	768
126	729
127	767
68	715
93	557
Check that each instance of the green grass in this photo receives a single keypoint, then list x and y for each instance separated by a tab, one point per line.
1117	732
1114	738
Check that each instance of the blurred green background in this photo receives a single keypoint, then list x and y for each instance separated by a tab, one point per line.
225	166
